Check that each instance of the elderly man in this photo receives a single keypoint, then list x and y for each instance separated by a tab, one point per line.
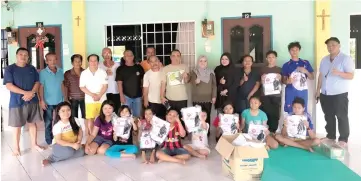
336	73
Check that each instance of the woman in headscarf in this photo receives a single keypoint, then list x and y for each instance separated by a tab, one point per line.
204	86
226	81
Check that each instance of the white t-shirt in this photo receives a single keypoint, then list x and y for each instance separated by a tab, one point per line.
200	138
152	80
66	132
112	84
94	83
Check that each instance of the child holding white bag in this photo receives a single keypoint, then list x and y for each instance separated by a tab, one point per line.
228	108
199	147
145	127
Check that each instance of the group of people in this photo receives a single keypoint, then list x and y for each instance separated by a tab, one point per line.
146	89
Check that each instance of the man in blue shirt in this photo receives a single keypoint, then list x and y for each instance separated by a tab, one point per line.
51	94
22	80
336	73
295	73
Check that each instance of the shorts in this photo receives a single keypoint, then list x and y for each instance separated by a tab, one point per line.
19	116
194	147
92	110
175	151
100	140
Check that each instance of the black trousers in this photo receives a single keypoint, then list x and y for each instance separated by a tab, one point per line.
336	106
115	98
271	105
207	106
158	109
75	104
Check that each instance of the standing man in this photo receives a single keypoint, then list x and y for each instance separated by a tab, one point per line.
22	80
336	73
150	51
129	78
151	88
94	83
295	73
71	83
111	67
174	79
51	92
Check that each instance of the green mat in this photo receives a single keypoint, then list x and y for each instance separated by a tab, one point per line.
291	164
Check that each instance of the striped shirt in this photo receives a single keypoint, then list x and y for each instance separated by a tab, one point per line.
71	81
173	139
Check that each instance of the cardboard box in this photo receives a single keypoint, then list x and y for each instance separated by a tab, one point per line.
241	162
333	151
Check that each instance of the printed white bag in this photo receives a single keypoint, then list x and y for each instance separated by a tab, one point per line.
190	117
228	123
272	85
146	142
160	129
300	80
295	126
122	126
257	132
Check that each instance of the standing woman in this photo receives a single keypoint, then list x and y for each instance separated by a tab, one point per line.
225	79
204	86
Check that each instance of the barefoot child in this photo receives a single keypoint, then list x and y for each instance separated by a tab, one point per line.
199	147
101	136
227	109
298	107
254	115
145	126
172	150
67	136
124	148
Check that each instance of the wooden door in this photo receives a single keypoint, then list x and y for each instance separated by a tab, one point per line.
27	39
244	36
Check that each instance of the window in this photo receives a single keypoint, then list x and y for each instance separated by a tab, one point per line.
164	37
4	52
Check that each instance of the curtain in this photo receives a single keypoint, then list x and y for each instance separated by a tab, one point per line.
185	43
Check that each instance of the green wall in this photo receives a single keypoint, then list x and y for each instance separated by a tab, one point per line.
291	21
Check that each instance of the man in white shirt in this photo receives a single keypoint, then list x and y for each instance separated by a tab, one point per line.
111	67
151	88
93	82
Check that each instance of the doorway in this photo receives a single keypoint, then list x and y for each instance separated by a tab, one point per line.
355	39
242	36
52	35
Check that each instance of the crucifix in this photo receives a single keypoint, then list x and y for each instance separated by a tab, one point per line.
78	19
323	16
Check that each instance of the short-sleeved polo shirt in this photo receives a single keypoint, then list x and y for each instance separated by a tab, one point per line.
52	82
94	83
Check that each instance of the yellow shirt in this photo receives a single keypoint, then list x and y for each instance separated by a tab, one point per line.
66	132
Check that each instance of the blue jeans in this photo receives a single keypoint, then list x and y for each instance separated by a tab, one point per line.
135	105
48	120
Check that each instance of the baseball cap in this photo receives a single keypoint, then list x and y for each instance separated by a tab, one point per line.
333	39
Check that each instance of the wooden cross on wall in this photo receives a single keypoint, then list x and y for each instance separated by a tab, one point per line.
323	16
78	19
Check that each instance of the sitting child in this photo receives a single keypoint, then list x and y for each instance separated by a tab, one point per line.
199	147
67	136
227	109
254	115
172	150
298	107
145	125
123	148
101	137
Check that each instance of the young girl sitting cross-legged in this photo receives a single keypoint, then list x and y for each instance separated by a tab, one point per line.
199	147
227	109
101	137
145	127
124	148
67	136
172	149
298	108
254	115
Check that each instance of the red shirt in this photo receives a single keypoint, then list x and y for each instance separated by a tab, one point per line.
216	121
173	139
